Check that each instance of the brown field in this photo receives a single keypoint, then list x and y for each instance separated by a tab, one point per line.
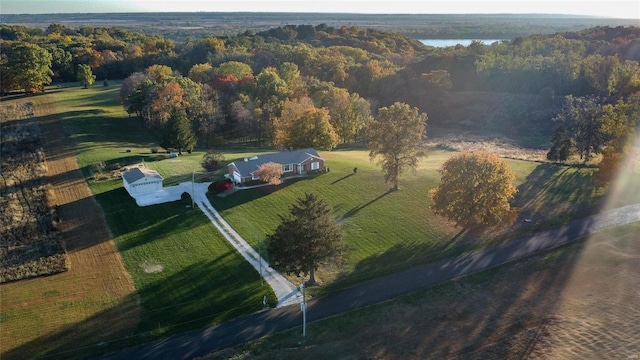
95	300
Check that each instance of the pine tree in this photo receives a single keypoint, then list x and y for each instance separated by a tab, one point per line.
307	237
178	133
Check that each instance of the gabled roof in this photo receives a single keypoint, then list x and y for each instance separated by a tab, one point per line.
136	174
246	168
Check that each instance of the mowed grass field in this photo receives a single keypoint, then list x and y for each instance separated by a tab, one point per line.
181	272
387	231
186	274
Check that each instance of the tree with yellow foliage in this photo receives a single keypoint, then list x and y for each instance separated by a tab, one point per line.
475	189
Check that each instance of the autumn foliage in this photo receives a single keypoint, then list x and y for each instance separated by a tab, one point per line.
475	189
270	173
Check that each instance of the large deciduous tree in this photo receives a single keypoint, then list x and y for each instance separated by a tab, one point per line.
302	125
475	189
395	138
28	67
581	118
306	238
85	75
270	173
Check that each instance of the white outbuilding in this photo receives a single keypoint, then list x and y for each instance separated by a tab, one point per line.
141	181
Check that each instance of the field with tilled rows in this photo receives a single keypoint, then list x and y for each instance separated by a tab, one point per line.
50	315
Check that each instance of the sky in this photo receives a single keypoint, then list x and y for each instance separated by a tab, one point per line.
617	9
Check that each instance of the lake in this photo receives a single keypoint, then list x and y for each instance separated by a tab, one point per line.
453	42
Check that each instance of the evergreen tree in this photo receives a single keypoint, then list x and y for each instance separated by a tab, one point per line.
178	133
561	145
305	238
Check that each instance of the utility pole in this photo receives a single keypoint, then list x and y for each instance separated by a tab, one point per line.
303	306
193	177
260	257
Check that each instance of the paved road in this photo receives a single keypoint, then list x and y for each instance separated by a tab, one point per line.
204	341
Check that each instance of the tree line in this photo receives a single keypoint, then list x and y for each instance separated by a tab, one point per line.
319	85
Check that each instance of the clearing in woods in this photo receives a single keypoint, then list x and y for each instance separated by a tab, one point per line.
95	300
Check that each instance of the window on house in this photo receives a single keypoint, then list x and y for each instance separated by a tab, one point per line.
315	165
287	168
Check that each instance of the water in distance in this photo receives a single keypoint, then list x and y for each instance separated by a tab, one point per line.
453	42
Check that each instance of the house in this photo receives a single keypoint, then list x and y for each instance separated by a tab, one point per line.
141	181
294	162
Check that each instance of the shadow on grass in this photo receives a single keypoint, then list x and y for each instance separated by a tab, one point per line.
342	178
499	312
24	95
148	223
353	211
553	194
197	295
241	196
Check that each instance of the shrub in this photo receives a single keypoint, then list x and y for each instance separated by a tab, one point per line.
212	160
98	167
154	150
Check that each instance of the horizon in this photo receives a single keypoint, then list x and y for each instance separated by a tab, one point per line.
621	9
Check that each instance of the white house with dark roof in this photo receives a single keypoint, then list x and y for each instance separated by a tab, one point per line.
294	162
141	181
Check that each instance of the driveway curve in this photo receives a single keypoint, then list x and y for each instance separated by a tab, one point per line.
286	292
203	341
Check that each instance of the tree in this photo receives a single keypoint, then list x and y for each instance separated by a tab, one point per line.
212	160
270	173
28	67
177	132
235	68
306	238
85	75
475	189
396	136
158	72
303	125
201	73
561	145
582	119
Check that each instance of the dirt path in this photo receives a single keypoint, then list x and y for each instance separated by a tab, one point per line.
95	300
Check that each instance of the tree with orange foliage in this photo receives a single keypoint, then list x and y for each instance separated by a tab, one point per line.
475	189
270	173
169	98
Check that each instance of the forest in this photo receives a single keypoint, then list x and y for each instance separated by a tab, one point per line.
287	84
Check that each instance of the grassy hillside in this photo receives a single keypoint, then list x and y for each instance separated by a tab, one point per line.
542	307
186	273
389	231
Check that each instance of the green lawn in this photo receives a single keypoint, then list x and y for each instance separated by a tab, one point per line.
385	231
186	273
389	231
